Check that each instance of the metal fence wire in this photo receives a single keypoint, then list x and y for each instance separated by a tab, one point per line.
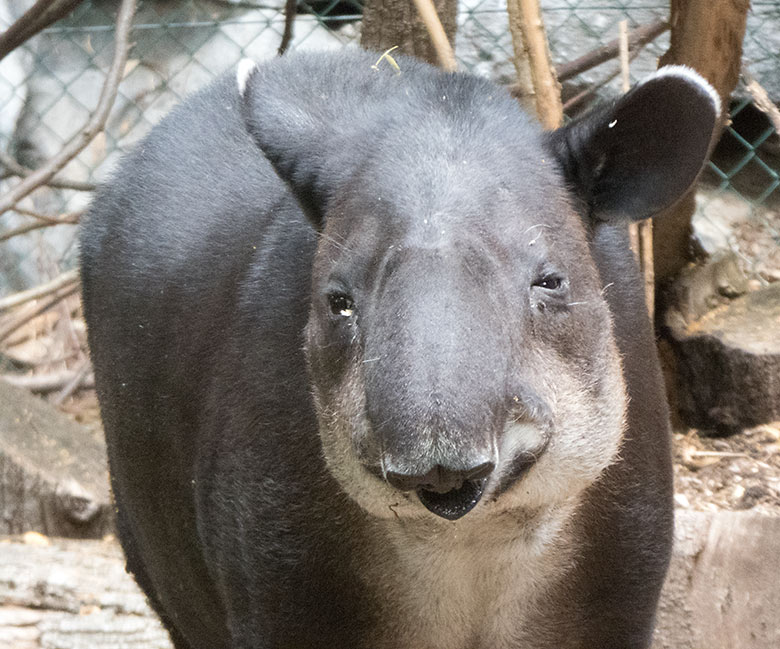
49	86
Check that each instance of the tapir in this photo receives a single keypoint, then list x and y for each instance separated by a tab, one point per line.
374	363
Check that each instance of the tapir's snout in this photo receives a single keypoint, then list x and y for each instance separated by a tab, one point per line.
440	479
449	493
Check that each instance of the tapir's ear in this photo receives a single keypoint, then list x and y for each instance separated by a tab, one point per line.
639	155
296	125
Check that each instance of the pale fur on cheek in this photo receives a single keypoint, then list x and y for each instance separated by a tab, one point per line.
585	440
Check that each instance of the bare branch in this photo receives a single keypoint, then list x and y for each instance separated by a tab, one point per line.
230	4
42	14
290	10
82	377
96	122
15	169
441	44
71	218
7	329
637	38
67	217
68	278
53	381
593	89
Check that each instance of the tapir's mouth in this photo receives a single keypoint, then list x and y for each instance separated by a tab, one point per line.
455	503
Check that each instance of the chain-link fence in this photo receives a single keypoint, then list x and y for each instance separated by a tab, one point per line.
49	87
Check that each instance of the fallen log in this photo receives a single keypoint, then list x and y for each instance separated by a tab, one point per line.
53	475
66	594
721	592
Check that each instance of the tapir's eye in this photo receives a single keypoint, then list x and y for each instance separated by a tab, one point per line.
549	282
341	304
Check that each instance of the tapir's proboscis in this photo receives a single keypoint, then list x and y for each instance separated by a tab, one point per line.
374	363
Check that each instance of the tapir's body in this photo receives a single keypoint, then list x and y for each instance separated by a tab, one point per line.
380	403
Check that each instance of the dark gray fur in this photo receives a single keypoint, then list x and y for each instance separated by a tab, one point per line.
442	212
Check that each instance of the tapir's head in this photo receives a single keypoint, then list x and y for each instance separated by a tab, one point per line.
459	342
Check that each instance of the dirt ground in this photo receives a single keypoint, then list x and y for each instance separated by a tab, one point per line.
738	472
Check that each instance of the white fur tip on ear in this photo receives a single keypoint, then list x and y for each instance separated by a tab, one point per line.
243	72
691	75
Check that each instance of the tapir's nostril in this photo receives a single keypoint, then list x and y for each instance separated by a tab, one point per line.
439	479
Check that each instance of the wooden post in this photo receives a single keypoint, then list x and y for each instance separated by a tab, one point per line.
441	44
530	45
390	23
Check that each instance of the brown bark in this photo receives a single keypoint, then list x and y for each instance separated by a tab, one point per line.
37	18
637	38
441	43
532	55
390	23
58	594
707	36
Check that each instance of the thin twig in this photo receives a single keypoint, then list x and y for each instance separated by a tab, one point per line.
96	122
80	374
9	328
17	299
589	92
230	4
716	454
623	47
71	218
625	85
641	234
638	37
441	43
43	383
15	169
42	14
592	90
290	11
46	218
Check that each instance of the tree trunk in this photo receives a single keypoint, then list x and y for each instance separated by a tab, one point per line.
728	363
707	36
387	23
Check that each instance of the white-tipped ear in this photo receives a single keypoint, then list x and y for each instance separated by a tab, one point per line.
243	72
690	74
635	157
